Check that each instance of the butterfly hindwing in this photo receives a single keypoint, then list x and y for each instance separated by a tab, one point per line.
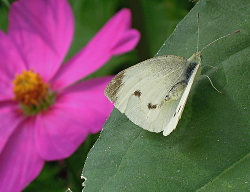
181	104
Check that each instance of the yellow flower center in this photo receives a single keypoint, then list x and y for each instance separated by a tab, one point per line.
31	92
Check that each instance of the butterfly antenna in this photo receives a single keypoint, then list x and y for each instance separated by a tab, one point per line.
219	39
198	24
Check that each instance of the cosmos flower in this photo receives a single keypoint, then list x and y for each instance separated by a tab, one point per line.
45	112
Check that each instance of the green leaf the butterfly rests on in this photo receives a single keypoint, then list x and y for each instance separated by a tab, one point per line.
211	142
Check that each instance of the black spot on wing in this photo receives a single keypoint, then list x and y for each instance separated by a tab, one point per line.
174	114
178	110
137	93
151	106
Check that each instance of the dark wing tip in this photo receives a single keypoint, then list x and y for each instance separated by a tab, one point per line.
113	87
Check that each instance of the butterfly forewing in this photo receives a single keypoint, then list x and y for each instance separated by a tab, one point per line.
140	91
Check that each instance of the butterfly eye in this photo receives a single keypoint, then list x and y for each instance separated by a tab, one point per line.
176	91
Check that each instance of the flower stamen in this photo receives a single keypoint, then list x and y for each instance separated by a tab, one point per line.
31	92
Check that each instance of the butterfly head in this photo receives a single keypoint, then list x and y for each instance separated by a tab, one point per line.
195	58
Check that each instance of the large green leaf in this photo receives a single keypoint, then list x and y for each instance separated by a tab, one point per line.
209	150
161	16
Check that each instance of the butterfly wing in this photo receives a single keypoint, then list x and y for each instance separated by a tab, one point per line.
178	112
140	91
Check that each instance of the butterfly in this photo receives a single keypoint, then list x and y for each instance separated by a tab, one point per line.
153	93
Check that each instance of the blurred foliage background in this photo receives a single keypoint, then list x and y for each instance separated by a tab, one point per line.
155	19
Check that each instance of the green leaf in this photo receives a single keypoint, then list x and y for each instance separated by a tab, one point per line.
162	15
209	150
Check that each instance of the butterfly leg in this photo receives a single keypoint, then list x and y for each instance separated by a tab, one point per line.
212	84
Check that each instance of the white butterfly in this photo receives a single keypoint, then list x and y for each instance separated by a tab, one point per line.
153	93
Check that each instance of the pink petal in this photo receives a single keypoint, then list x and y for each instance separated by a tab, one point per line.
80	110
10	63
89	97
20	162
43	31
115	37
127	42
10	117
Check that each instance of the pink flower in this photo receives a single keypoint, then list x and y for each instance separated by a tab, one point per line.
45	115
